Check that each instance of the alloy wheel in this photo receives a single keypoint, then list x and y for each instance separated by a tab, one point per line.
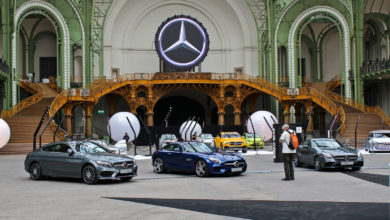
317	164
158	165
35	171
201	168
89	175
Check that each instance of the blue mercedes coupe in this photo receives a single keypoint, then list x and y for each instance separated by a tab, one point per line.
197	157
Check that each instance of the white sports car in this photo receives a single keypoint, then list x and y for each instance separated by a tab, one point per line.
378	141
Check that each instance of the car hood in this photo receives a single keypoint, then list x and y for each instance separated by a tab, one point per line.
252	139
112	158
232	139
206	140
340	151
222	156
380	140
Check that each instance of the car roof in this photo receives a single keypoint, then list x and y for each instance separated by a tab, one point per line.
322	139
380	131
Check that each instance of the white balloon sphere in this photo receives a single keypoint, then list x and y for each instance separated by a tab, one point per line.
118	125
5	133
260	124
188	128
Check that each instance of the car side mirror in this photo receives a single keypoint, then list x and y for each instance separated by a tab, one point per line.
177	149
70	152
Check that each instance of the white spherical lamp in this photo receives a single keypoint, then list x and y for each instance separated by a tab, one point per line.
188	128
5	133
257	123
118	126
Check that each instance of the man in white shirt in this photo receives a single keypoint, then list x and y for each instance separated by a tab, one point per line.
288	154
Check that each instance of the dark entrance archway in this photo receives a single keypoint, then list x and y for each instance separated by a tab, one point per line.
182	108
185	103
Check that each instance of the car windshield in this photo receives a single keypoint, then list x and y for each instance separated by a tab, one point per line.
169	136
196	147
231	135
381	135
206	136
328	144
250	135
89	147
102	143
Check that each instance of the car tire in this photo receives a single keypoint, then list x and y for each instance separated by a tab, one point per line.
317	164
356	168
126	179
89	175
158	165
297	163
35	171
244	151
201	168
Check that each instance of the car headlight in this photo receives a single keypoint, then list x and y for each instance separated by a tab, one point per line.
225	142
215	160
104	164
327	156
360	156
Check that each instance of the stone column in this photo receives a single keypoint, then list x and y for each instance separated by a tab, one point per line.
68	119
149	116
309	129
237	117
221	117
286	112
88	120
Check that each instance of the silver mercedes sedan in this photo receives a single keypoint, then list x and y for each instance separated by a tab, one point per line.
79	159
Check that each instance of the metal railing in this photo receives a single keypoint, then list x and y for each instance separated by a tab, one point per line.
101	87
4	67
374	66
35	98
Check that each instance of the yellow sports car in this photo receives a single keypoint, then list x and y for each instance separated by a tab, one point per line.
230	141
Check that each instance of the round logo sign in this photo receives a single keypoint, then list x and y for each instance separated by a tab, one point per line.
182	42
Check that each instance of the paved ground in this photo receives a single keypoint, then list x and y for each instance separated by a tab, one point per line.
258	194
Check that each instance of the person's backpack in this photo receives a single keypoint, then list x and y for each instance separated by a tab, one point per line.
294	143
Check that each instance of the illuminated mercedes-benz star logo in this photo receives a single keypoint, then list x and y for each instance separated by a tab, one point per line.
182	42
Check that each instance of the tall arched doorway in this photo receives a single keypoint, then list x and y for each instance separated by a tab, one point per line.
185	103
41	11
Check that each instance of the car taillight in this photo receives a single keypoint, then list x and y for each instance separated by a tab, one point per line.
27	156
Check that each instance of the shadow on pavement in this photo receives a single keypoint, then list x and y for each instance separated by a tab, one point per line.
263	209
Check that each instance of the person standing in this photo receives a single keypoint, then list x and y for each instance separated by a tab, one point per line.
288	154
194	136
126	137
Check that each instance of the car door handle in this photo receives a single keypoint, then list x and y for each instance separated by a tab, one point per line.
169	153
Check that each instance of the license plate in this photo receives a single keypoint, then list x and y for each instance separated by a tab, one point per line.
239	169
347	163
126	171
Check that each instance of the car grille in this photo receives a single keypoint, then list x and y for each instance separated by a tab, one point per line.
235	163
235	143
383	146
346	158
123	165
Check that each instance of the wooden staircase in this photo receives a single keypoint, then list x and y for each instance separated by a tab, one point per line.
24	123
370	119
